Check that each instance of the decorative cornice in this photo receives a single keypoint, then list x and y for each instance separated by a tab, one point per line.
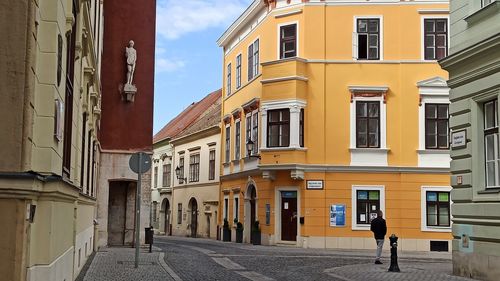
227	118
236	113
251	105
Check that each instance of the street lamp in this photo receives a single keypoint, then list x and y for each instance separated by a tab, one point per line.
250	146
178	175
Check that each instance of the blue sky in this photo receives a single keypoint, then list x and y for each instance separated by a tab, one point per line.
188	60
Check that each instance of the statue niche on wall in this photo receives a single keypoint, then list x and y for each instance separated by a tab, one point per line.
131	58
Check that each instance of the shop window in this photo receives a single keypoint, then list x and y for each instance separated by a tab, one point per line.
438	208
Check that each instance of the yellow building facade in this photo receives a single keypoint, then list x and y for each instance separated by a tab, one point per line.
345	111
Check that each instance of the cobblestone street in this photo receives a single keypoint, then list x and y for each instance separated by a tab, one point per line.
202	259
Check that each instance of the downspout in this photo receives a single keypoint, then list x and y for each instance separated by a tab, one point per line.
324	106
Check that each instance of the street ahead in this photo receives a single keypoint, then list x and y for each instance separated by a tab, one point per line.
203	259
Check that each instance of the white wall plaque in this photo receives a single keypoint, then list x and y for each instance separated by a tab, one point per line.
314	184
459	139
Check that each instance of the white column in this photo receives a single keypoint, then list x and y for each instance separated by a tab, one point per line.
294	126
263	127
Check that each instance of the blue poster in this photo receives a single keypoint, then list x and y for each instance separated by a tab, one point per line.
337	215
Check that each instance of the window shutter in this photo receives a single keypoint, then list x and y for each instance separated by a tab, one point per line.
354	45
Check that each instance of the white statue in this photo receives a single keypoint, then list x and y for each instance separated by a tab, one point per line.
131	55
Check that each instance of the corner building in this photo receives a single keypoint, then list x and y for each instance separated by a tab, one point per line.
475	168
345	111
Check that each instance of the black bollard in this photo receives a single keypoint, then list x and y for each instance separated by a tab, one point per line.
394	254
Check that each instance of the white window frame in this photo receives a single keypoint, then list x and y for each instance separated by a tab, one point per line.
355	188
237	154
236	212
229	82
295	106
355	37
496	148
369	156
227	150
423	209
238	79
254	73
278	37
433	90
422	34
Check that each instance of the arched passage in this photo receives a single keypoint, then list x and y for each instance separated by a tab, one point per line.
165	216
193	206
250	210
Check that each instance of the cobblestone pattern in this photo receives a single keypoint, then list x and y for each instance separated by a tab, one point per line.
203	259
112	264
415	271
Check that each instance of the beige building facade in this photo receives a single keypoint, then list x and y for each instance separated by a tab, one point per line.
50	111
185	176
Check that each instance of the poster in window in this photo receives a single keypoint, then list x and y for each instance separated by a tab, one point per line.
337	215
373	216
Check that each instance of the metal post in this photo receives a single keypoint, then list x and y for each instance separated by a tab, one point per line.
138	212
394	267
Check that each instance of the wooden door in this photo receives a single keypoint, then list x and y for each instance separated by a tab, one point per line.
289	215
194	218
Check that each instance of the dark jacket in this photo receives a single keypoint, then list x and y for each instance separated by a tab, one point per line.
379	228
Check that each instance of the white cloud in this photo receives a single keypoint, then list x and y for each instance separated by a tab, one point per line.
175	18
169	65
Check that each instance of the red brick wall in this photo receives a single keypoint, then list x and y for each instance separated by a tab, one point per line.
128	125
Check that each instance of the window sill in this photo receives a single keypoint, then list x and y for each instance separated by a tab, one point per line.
359	149
283	149
490	190
433	151
436	229
361	227
235	161
483	13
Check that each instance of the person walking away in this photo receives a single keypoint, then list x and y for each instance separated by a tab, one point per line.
379	229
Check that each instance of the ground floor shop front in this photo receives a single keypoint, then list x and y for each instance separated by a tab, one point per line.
334	209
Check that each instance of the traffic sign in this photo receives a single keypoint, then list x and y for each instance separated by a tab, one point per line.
143	166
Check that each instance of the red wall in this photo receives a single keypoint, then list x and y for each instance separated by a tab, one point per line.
128	125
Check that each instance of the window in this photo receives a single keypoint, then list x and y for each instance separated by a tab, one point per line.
435	38
237	140
194	168
255	132
228	143
211	165
253	60
438	208
278	128
437	132
288	41
167	168
155	210
368	39
228	87
226	207
68	113
179	213
491	150
238	71
236	208
367	204
181	168
252	133
368	124
301	128
486	2
155	177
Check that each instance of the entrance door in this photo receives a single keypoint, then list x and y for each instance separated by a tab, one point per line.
166	214
289	215
117	206
194	218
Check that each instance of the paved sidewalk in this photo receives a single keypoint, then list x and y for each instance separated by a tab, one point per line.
410	271
110	264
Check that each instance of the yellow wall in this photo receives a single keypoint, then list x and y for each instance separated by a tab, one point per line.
325	60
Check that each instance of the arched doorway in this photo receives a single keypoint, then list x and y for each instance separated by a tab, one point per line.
165	210
193	206
250	211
